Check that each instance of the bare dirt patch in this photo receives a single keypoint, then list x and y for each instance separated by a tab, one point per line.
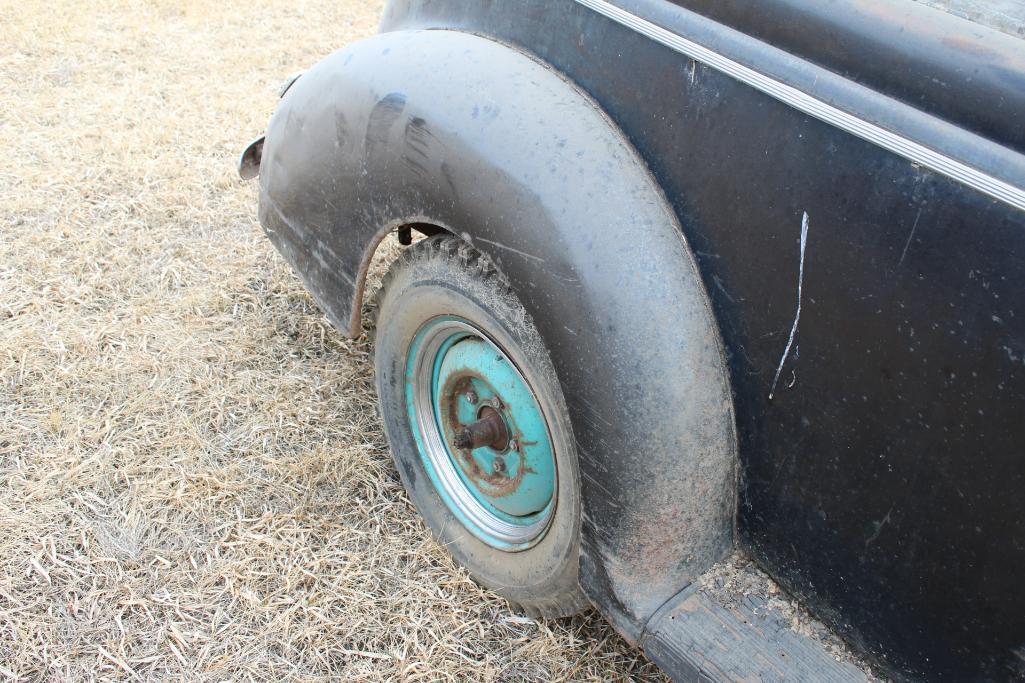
193	479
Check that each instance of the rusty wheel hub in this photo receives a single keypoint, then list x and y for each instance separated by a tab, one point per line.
482	434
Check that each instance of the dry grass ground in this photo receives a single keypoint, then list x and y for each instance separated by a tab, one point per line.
193	480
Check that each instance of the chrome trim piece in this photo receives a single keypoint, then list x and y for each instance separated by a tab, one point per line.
802	101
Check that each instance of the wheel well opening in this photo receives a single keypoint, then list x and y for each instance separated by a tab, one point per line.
379	254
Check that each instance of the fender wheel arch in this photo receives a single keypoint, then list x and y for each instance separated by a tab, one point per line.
451	130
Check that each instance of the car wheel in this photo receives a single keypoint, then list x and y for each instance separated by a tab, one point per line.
478	425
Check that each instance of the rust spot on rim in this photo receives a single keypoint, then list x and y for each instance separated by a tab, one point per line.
494	484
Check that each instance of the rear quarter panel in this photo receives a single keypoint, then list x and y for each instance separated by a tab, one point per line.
883	482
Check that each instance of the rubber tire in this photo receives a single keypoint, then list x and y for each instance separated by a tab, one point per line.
444	275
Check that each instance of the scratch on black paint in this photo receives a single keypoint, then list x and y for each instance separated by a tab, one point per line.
797	316
879	527
718	283
515	251
910	237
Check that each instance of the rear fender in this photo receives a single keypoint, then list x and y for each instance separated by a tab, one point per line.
453	130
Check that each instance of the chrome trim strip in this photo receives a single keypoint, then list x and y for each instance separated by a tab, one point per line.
802	101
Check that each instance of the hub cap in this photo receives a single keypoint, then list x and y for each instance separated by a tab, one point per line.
481	434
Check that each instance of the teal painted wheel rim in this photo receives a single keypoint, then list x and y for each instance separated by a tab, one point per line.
503	493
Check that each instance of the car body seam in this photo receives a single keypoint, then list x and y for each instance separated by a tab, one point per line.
817	108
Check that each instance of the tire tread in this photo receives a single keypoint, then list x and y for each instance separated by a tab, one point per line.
570	600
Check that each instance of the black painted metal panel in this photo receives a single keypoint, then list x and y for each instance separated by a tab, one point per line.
958	70
883	482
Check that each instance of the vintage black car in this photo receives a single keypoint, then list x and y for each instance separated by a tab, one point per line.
700	277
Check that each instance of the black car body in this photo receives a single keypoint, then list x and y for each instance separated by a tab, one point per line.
849	181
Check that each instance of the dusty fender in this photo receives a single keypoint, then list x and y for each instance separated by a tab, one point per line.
447	129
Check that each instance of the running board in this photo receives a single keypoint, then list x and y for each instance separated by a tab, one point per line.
727	630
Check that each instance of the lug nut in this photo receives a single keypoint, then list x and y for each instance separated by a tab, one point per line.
471	397
498	465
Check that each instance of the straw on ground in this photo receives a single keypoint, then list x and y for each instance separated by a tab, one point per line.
193	478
